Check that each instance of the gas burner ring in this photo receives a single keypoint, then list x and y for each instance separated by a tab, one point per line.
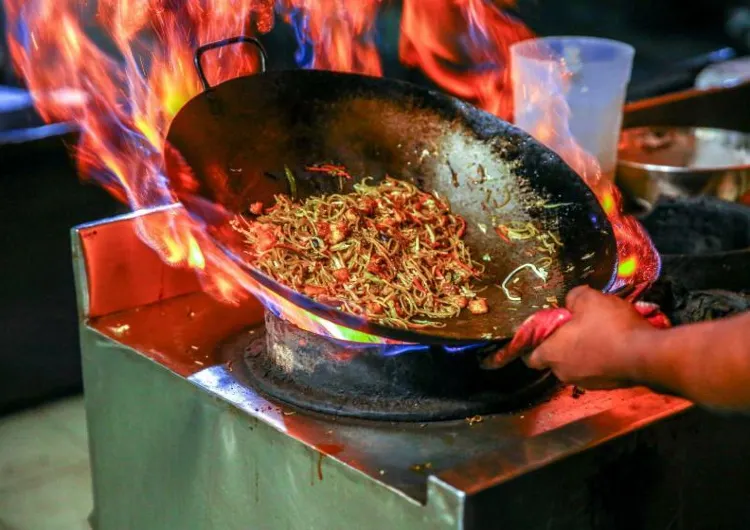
328	376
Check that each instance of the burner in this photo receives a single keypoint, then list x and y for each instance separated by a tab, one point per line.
376	381
704	242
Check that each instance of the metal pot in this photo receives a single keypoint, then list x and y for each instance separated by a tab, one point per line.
684	162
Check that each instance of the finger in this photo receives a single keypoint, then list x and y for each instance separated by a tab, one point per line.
536	360
498	359
580	297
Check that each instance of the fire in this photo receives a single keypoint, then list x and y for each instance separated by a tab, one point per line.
335	34
462	45
638	260
627	267
122	69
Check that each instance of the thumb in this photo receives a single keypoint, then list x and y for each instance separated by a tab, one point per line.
537	360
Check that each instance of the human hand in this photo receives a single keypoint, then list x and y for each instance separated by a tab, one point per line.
599	346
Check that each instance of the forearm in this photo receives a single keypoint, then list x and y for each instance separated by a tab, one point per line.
708	363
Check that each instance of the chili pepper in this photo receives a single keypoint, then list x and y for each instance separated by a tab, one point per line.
331	169
501	233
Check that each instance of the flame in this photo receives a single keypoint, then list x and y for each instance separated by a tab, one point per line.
462	45
123	101
638	261
122	69
335	35
627	266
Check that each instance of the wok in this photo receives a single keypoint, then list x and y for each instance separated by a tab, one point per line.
238	136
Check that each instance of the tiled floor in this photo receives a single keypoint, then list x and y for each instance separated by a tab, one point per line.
44	468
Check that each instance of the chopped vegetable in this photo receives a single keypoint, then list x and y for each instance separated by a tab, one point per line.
541	273
331	169
292	181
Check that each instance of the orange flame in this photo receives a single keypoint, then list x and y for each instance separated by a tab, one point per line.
462	45
124	101
335	35
638	260
123	88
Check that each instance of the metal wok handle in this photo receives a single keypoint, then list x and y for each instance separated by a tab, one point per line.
220	44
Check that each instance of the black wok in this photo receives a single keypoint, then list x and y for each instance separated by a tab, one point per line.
237	137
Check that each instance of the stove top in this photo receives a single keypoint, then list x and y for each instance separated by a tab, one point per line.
181	335
172	334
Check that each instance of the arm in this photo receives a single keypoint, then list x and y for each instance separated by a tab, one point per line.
607	344
708	363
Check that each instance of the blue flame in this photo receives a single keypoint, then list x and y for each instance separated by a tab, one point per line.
392	350
273	308
465	348
305	55
21	33
596	220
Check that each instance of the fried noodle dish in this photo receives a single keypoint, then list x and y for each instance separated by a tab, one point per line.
387	251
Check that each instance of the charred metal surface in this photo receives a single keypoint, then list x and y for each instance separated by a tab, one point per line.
684	306
492	173
700	226
704	242
698	306
384	382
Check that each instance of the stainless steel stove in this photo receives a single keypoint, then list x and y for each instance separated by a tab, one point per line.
180	439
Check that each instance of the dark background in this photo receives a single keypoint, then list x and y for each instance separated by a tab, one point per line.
41	197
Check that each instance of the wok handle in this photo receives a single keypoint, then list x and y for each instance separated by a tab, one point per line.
220	44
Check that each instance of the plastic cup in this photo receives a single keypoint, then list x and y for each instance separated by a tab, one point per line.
578	80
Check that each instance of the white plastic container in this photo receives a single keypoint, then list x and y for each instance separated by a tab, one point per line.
578	82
